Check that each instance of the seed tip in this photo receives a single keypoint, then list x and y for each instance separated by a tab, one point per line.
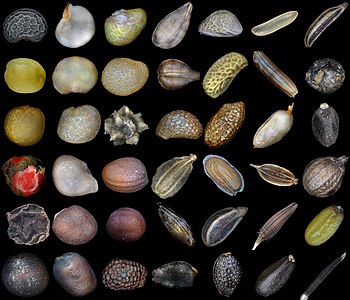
304	297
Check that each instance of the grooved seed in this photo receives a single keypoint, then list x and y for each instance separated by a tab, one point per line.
276	175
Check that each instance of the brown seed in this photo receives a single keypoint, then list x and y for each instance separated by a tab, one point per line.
224	124
276	175
74	225
126	224
125	175
179	124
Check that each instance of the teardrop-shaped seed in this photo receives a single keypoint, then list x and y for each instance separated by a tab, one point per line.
226	177
275	174
274	128
227	273
175	274
221	23
173	27
275	276
174	74
176	225
324	225
220	225
325	125
172	175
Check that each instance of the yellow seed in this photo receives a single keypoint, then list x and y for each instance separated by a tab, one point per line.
24	75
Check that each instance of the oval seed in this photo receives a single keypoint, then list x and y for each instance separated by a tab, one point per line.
275	23
275	223
176	225
222	72
226	177
324	225
276	175
220	225
322	22
172	175
274	74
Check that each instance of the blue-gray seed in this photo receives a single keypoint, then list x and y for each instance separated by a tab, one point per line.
24	24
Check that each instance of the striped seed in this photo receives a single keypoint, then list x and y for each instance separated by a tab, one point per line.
276	175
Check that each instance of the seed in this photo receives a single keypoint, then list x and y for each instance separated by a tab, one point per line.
274	74
24	24
123	274
274	128
220	225
171	30
227	273
275	223
323	176
324	225
124	26
221	23
222	72
179	124
175	274
276	175
325	125
226	177
275	276
174	74
325	75
322	22
172	175
275	23
224	124
176	225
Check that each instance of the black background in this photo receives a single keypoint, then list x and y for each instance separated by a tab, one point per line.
199	197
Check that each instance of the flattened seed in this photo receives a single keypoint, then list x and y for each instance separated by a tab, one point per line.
275	174
322	22
275	23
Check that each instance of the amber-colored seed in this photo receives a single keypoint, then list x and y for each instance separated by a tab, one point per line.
276	175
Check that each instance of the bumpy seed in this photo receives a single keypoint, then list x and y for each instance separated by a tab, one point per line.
225	176
124	76
322	22
324	225
172	175
222	72
275	174
325	125
171	30
227	273
124	26
24	24
275	276
221	23
275	23
175	274
220	225
176	225
179	124
123	274
325	75
274	128
278	78
224	124
323	176
174	74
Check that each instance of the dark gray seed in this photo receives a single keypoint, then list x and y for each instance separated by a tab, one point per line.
325	75
227	273
25	275
24	24
325	125
275	276
176	274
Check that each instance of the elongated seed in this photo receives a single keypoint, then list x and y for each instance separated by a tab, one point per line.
322	22
274	74
276	175
275	223
322	276
275	23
